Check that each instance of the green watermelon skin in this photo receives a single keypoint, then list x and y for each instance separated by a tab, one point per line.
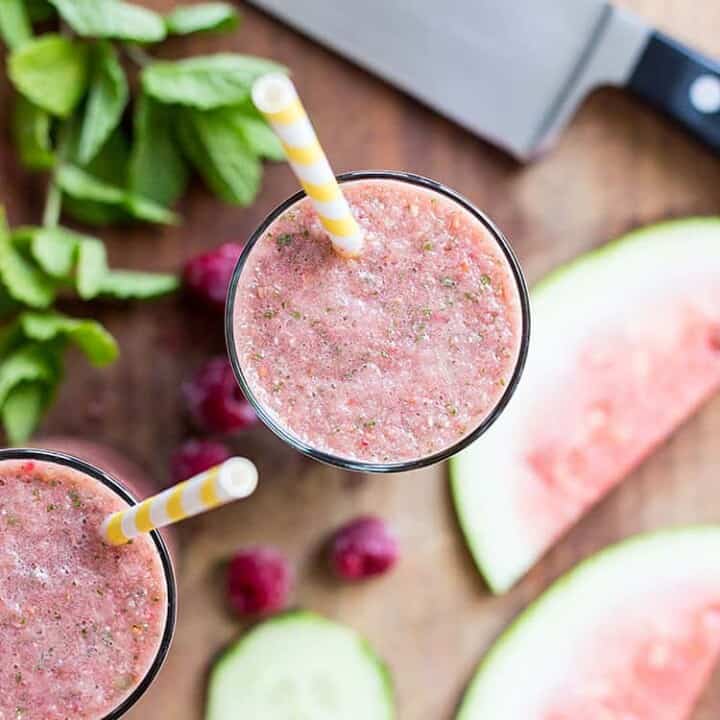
632	632
626	345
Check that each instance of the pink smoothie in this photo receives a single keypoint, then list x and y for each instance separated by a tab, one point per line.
80	622
394	356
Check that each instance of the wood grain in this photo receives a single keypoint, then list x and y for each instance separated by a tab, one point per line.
618	165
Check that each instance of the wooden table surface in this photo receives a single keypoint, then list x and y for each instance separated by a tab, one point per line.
617	166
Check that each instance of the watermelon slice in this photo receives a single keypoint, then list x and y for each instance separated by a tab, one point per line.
626	344
633	632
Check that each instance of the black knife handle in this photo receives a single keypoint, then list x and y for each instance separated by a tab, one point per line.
681	83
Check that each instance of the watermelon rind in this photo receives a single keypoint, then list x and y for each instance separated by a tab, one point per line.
622	575
482	476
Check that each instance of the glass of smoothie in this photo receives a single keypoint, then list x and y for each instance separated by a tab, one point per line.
390	361
84	626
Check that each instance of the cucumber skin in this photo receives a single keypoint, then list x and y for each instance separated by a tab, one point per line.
308	616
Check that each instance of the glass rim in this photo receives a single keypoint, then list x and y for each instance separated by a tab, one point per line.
362	465
110	482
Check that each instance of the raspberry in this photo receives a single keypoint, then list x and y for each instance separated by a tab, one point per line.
258	581
362	548
215	401
195	456
207	276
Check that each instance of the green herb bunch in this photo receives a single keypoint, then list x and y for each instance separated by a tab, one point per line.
107	164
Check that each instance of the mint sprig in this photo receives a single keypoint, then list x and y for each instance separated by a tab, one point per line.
110	159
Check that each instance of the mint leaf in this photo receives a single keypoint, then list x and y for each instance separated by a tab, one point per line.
220	154
107	98
157	170
15	26
90	336
259	136
22	410
111	19
28	363
216	16
31	130
131	285
54	250
91	267
206	82
11	337
39	10
23	281
51	71
143	209
8	306
82	186
109	165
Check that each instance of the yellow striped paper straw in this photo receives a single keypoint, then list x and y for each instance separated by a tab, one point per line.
234	479
275	97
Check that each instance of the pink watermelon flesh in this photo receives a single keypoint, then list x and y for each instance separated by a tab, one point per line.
631	633
628	393
650	666
625	346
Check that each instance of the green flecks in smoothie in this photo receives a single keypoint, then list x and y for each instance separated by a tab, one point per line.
258	356
369	424
427	312
472	297
452	410
74	496
501	382
447	282
295	314
36	494
277	387
269	314
18	677
283	240
428	246
12	520
50	507
485	280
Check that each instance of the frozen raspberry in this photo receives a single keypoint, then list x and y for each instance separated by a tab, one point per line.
207	276
195	456
259	581
215	401
362	548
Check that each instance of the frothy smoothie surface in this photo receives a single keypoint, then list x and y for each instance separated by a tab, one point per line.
80	621
389	357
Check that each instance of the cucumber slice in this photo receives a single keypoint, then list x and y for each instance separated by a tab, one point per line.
300	666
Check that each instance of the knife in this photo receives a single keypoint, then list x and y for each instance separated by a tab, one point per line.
514	71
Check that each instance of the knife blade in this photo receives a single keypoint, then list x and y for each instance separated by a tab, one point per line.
513	71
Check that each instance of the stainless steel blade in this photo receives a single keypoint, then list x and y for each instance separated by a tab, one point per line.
512	71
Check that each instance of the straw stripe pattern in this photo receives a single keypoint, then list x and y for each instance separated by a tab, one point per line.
233	479
288	119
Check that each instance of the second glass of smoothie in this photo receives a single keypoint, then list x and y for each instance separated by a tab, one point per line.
390	361
84	626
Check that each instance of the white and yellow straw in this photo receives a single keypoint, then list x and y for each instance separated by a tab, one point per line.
234	479
275	97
